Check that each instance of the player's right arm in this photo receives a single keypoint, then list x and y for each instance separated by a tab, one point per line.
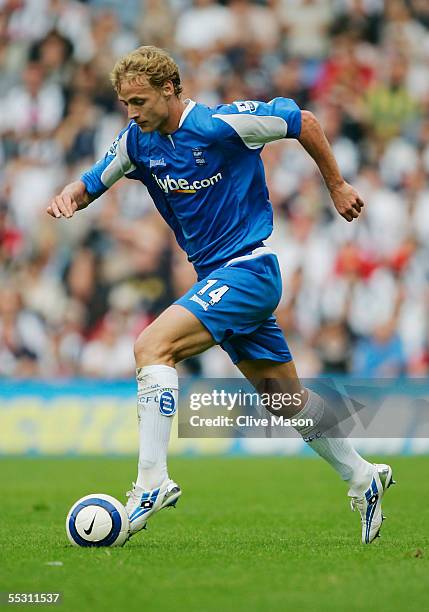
93	183
73	197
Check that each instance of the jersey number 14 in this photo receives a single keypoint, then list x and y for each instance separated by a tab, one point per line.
216	294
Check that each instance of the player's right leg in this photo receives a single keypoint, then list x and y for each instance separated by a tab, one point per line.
232	300
175	335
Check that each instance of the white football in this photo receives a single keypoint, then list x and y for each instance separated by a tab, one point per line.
97	520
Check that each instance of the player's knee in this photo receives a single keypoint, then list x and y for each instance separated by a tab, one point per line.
151	349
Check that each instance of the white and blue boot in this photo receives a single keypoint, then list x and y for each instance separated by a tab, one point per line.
369	505
142	504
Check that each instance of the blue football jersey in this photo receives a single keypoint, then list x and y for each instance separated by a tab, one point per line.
206	179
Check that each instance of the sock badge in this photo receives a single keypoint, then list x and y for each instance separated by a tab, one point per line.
167	405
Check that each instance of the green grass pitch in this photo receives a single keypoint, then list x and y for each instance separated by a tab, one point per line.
266	533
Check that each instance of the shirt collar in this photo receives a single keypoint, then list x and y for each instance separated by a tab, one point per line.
189	106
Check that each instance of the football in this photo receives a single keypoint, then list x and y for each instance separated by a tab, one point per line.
97	520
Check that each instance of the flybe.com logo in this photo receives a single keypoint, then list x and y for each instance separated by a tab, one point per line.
181	185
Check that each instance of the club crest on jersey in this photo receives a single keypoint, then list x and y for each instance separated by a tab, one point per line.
198	154
246	105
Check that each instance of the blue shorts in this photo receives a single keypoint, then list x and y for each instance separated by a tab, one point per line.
236	303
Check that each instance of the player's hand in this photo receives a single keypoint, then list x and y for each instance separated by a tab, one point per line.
347	201
62	205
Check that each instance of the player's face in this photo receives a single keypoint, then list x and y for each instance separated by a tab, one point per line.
148	106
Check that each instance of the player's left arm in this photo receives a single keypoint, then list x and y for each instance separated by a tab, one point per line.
346	199
255	124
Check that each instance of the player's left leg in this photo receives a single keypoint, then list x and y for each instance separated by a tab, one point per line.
175	335
367	482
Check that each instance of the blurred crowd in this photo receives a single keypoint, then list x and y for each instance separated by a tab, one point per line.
75	293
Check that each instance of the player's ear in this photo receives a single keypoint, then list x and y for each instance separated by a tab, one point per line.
168	89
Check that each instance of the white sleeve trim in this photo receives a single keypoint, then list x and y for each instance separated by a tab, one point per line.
120	164
256	130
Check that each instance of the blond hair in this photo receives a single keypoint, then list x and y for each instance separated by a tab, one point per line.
152	62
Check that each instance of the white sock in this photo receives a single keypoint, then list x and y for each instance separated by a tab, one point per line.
157	390
337	451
